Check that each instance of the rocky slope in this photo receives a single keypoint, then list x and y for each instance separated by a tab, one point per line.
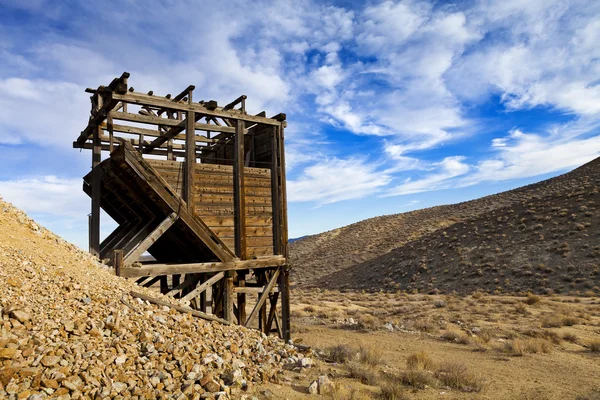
69	329
542	237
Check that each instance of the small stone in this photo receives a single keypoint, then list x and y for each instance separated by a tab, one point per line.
120	360
20	315
7	353
313	388
50	383
119	387
325	385
304	362
212	386
50	361
86	300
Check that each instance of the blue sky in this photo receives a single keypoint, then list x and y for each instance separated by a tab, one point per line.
392	106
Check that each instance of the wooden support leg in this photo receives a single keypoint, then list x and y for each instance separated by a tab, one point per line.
208	300
118	261
96	195
228	297
164	284
263	297
241	299
284	289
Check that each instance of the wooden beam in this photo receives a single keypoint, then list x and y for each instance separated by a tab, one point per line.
275	190
190	158
228	297
171	269
179	308
154	133
284	288
190	279
252	289
96	194
160	121
239	197
203	109
201	288
263	297
118	261
145	244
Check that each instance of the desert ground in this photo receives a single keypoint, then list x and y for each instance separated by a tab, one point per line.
400	346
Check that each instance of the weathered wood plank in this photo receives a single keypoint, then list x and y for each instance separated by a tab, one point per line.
171	269
179	308
263	297
145	244
201	288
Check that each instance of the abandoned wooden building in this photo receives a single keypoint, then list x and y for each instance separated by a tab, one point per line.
201	188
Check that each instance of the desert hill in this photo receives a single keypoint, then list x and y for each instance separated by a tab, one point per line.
69	328
542	237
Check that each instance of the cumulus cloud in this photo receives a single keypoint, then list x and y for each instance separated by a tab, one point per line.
335	180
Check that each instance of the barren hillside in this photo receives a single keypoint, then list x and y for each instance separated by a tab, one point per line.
70	329
541	237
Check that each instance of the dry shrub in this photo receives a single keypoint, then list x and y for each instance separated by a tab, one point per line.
594	346
457	337
417	379
309	309
556	321
532	299
368	322
457	376
370	355
551	336
362	373
521	309
420	361
340	353
342	392
391	390
520	347
424	325
570	337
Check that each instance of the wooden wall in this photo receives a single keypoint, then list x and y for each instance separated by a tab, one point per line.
213	201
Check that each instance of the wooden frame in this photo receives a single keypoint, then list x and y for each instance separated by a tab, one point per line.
201	188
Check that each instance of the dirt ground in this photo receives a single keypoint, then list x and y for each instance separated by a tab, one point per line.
502	347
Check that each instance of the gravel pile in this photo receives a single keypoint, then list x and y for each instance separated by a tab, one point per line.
69	329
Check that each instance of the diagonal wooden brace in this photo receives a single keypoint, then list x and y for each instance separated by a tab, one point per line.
263	297
145	244
201	288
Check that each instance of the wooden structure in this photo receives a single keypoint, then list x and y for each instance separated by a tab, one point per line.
201	188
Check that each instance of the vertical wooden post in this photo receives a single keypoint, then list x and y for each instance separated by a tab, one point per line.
241	298
164	284
275	199
239	197
190	156
118	261
284	276
96	188
109	126
228	297
208	300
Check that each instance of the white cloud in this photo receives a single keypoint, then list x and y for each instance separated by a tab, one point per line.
335	180
444	171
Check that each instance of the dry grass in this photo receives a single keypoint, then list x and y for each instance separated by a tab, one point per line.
370	355
392	391
457	376
456	337
417	379
368	322
520	347
363	374
570	337
420	361
594	346
532	299
340	353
